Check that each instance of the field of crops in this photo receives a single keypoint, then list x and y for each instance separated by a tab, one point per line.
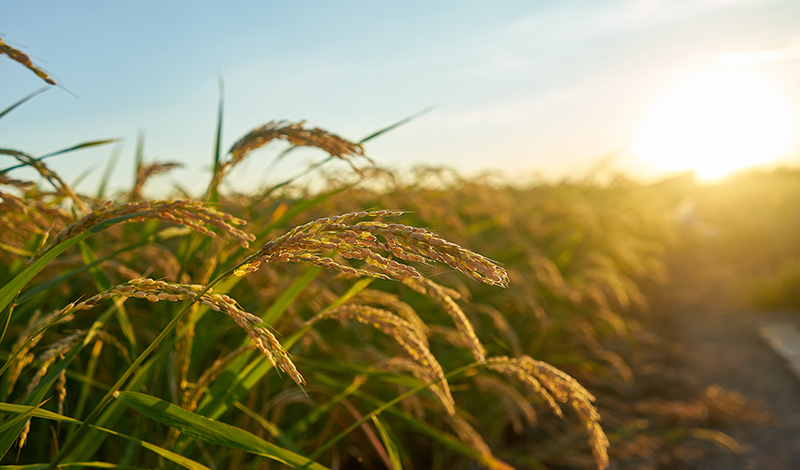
423	320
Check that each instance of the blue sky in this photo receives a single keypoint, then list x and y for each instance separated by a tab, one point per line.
525	87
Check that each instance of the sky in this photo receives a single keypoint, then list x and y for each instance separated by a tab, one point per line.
527	88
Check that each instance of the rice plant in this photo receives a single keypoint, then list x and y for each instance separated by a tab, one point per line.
359	330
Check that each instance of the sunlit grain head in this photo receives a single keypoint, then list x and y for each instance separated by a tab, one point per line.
717	122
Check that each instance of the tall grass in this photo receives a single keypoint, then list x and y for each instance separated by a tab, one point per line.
368	338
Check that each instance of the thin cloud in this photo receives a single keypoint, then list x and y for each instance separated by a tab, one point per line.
759	56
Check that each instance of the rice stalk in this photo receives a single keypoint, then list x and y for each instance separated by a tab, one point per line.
397	364
516	406
156	291
393	303
360	241
399	330
48	174
192	214
18	56
27	339
502	325
145	172
293	133
555	386
464	326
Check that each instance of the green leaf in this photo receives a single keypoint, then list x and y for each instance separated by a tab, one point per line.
271	427
397	124
45	287
102	282
213	432
303	206
243	379
212	193
59	152
10	290
18	103
93	143
289	295
112	163
84	174
39	413
93	439
310	418
22	418
36	395
388	443
448	440
43	466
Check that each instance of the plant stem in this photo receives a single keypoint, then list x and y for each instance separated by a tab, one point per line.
72	439
383	407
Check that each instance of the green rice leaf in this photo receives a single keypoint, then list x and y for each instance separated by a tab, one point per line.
165	234
35	396
93	143
289	295
38	413
388	443
213	194
213	432
397	124
102	282
21	418
244	378
23	100
10	290
112	163
43	466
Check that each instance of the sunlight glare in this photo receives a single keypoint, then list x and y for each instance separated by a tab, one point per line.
716	123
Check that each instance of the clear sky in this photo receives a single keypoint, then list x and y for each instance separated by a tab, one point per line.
547	87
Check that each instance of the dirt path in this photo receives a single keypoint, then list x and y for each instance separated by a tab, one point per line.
716	341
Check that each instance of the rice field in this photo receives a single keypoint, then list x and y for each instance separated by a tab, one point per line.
424	320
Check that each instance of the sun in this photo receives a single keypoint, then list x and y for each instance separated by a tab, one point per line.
717	122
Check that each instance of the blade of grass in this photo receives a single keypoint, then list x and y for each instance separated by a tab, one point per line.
102	282
289	295
269	426
212	193
208	430
84	174
382	408
388	444
23	100
42	466
444	438
20	418
93	439
39	413
91	370
138	155
397	124
83	145
62	151
110	165
37	394
310	418
45	287
71	441
12	289
219	400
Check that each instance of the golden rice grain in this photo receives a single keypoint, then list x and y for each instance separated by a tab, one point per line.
18	56
401	331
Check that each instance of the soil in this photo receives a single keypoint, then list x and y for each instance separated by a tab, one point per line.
711	393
